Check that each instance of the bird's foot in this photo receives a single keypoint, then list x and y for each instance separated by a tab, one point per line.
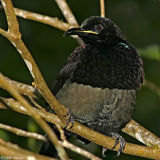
70	119
119	139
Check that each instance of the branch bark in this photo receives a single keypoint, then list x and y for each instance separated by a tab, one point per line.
65	9
23	133
152	87
143	135
79	151
14	152
102	8
54	22
23	89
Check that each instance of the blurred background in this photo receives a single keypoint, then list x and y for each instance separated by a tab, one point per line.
139	20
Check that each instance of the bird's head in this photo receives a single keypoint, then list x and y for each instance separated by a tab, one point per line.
97	30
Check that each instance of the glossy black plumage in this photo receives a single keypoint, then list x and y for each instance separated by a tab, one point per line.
100	79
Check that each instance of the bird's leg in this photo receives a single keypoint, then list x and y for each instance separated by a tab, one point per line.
119	139
70	119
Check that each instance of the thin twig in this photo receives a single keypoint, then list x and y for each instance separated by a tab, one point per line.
23	133
2	106
79	150
14	152
35	103
143	135
152	86
54	22
102	8
65	9
23	89
17	107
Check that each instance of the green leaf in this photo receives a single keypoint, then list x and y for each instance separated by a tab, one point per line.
151	52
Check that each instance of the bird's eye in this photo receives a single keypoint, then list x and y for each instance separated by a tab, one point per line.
99	27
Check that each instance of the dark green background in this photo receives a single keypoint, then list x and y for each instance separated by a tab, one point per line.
139	20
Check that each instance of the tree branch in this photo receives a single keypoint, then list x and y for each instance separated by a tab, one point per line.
23	89
143	135
16	106
79	150
12	151
54	22
65	9
13	26
152	86
23	133
102	8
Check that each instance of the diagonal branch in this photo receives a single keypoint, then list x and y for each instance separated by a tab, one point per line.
65	9
23	89
54	22
79	150
143	135
17	107
152	86
23	133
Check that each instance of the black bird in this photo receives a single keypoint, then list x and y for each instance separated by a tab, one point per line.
100	79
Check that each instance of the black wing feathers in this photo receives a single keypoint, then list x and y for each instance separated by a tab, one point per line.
67	71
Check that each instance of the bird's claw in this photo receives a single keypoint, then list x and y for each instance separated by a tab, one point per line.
119	139
70	119
103	151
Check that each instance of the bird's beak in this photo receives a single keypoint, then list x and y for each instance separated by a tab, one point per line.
78	31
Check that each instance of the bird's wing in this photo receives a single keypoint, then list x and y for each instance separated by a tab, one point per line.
67	71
